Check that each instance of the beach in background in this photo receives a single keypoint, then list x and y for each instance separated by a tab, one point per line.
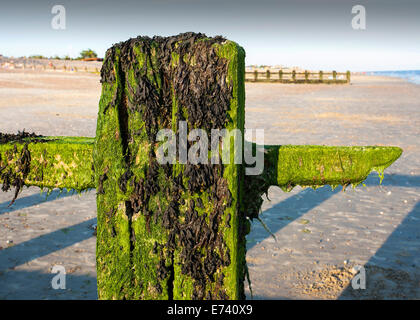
320	234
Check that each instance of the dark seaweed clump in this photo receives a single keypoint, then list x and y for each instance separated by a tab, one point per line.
11	177
20	137
203	97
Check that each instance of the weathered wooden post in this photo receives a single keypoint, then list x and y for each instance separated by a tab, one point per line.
334	75
267	75
306	76
348	76
321	76
256	75
280	75
174	230
294	75
168	231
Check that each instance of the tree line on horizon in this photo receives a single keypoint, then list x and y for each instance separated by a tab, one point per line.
85	54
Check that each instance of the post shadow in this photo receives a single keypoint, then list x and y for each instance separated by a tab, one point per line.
308	199
295	206
45	244
36	285
34	199
396	253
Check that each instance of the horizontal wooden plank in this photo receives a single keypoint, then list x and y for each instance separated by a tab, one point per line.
49	162
315	166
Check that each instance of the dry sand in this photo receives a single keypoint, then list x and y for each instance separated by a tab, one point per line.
320	234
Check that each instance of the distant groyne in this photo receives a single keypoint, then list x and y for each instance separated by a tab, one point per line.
298	77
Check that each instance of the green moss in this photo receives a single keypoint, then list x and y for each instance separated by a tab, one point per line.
59	162
315	166
235	240
148	233
113	247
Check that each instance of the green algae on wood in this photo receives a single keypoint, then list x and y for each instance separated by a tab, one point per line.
157	259
314	166
113	245
56	162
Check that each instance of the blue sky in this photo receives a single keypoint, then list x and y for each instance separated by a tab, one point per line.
312	34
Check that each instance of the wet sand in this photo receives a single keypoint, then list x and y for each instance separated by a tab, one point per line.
320	234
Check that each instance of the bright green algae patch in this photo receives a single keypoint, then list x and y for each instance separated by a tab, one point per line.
317	166
56	162
113	246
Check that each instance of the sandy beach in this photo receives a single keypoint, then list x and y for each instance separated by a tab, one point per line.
320	234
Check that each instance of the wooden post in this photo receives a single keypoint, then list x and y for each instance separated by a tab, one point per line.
334	75
267	74
348	76
306	76
168	231
256	75
294	75
321	76
280	75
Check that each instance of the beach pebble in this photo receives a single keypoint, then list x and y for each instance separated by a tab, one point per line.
388	193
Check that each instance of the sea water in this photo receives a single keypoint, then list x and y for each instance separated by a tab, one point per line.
410	75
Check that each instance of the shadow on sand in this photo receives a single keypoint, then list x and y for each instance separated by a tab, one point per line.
34	199
308	199
34	285
45	244
393	272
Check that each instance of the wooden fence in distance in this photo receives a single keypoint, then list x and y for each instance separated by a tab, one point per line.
298	77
